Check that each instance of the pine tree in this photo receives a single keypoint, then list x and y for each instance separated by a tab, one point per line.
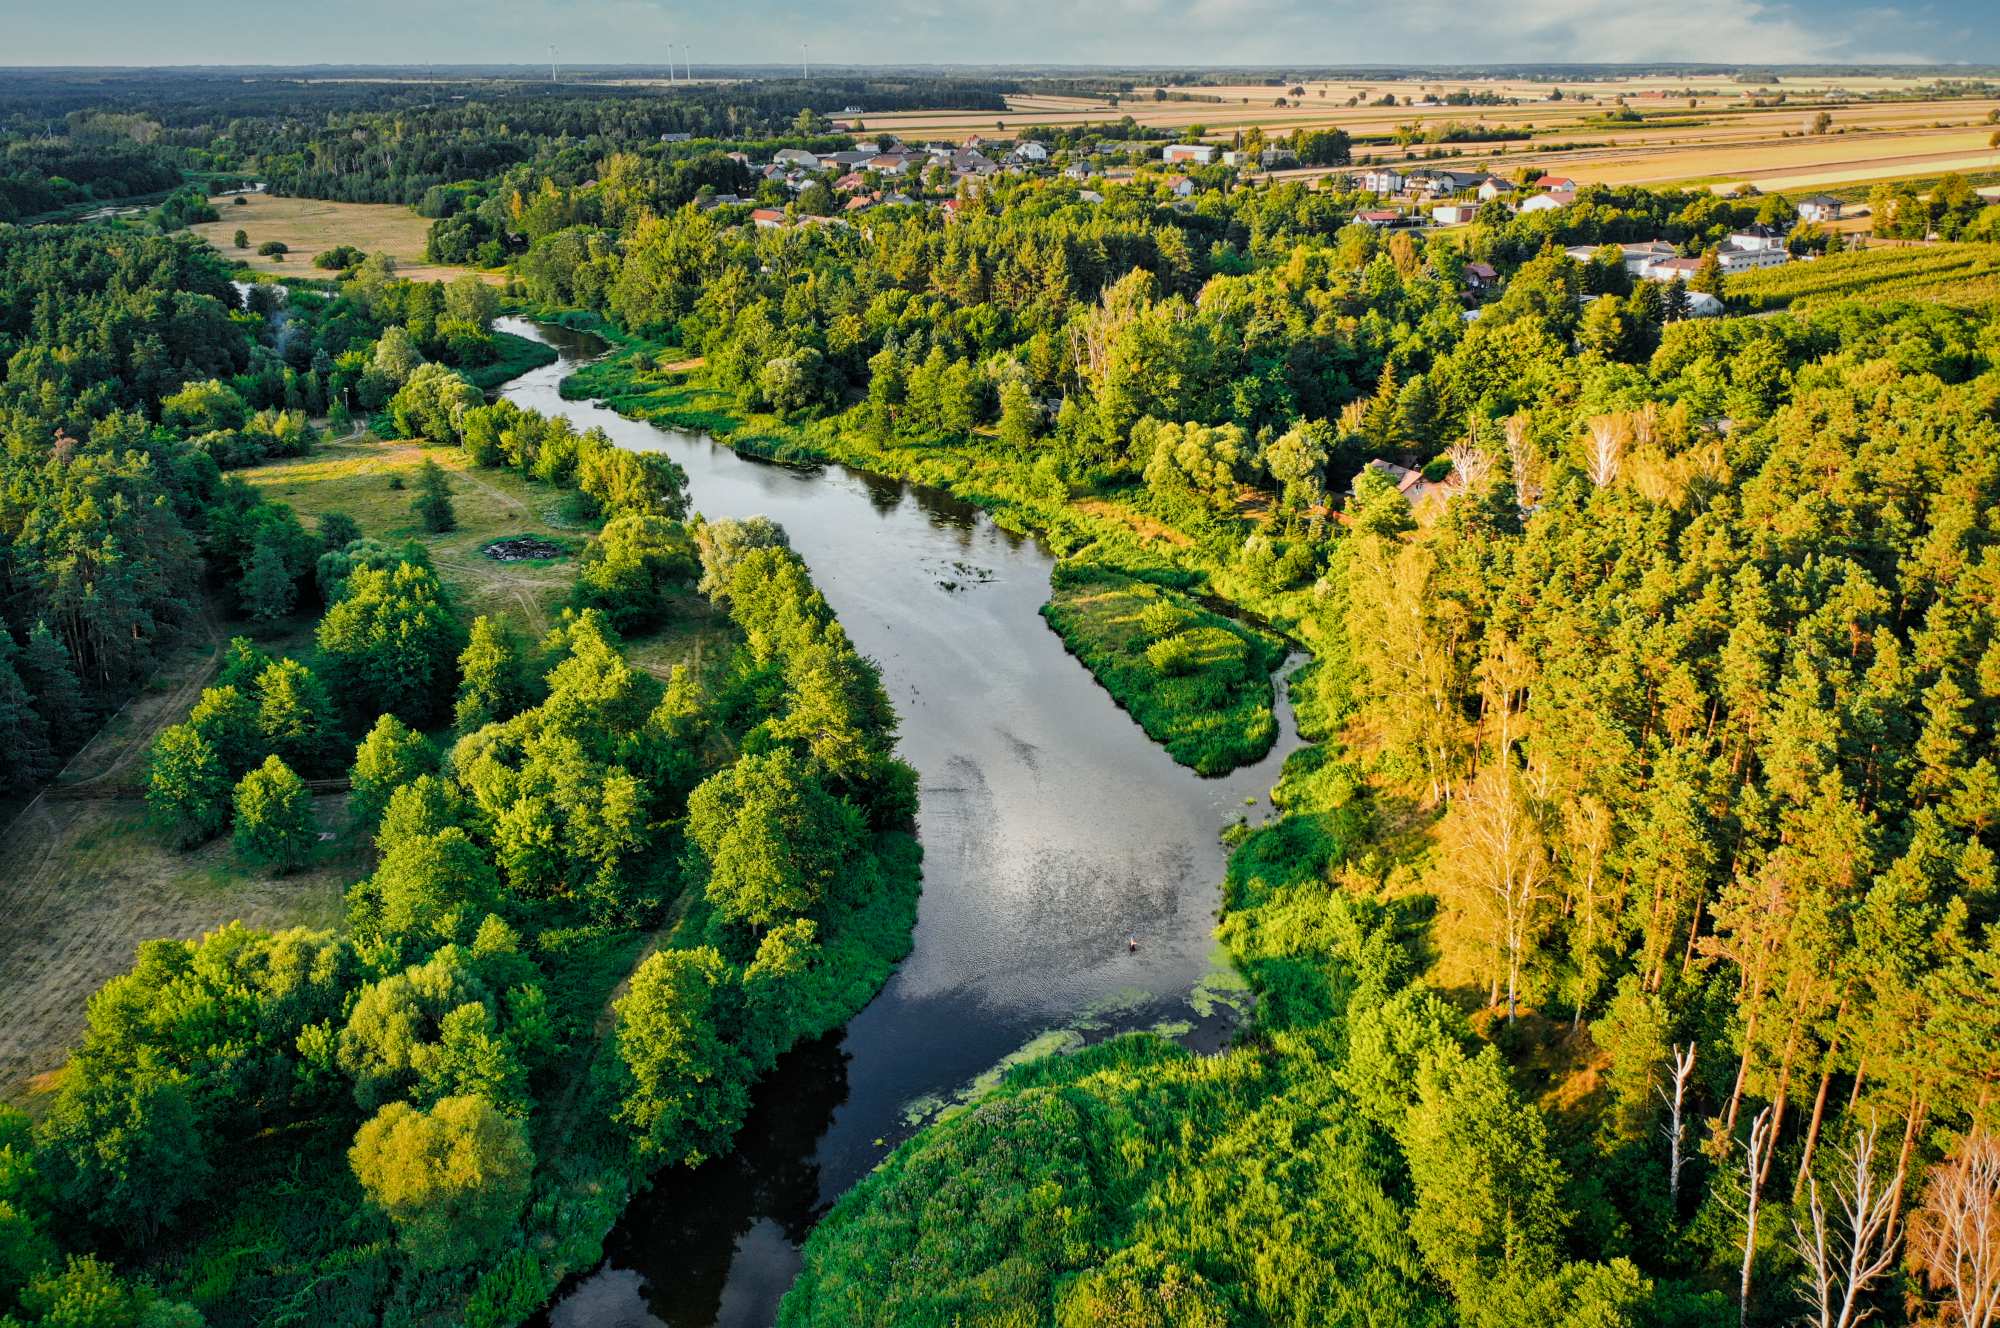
269	592
25	758
433	501
50	675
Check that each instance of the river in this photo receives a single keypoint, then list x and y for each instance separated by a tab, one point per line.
1053	830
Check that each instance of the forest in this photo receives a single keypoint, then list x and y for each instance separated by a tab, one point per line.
1625	947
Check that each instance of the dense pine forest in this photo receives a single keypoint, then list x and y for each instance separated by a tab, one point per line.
1625	947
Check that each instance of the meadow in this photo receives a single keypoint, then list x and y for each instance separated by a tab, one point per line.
309	226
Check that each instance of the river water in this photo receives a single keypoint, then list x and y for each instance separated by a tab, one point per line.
1053	830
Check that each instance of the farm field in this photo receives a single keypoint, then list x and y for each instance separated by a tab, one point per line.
311	226
1961	275
1729	142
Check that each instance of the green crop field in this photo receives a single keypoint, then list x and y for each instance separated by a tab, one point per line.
1965	276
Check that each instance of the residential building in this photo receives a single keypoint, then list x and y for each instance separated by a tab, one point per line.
1201	154
1493	187
1480	277
1745	260
1549	202
1820	208
767	218
1384	180
1181	187
795	157
1410	483
1757	237
1029	150
1379	217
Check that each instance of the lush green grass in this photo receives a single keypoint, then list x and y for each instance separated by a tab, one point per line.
1197	682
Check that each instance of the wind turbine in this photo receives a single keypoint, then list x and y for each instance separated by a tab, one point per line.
803	71
552	62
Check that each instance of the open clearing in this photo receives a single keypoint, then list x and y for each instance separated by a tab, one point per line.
354	477
311	226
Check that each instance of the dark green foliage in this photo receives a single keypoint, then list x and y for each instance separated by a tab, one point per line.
433	501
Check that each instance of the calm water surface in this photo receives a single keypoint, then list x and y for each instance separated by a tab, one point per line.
1052	830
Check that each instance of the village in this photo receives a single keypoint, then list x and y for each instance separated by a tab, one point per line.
947	176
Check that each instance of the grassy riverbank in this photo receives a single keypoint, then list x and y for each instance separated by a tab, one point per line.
1197	682
1207	699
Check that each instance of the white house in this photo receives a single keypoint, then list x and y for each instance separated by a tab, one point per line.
1181	187
1637	256
1379	180
1493	187
1029	150
1757	238
1549	202
1201	154
796	157
1744	260
1820	207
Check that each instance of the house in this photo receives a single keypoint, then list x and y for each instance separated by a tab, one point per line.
849	182
1080	170
706	202
1551	183
1379	217
1757	237
1745	260
1670	269
847	158
1089	196
677	138
1637	256
740	158
1383	180
1549	202
1493	187
1480	277
1820	208
1410	483
1181	187
1277	159
971	161
767	218
1201	154
795	157
1454	214
1029	150
1437	183
889	163
861	203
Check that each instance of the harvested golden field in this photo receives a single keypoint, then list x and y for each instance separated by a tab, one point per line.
311	226
1694	131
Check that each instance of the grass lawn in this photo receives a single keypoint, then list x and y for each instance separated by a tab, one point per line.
1197	682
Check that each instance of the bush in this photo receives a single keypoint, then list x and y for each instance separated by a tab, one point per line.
274	248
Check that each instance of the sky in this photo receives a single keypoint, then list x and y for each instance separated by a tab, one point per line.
1180	32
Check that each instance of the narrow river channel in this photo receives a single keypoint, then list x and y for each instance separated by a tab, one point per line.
1052	830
